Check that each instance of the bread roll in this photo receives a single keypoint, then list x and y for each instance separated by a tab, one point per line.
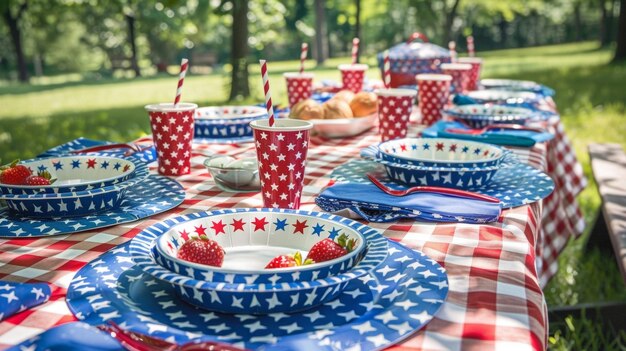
335	108
364	104
345	95
307	109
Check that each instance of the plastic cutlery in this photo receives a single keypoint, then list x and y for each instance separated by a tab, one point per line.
432	189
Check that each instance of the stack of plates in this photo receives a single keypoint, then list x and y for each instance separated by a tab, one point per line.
479	116
442	162
251	238
84	185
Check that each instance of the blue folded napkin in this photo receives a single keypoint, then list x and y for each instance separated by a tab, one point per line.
507	137
148	155
374	205
77	336
17	297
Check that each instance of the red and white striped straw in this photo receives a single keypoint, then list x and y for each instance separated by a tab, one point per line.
266	89
181	78
470	46
355	50
452	47
303	53
386	69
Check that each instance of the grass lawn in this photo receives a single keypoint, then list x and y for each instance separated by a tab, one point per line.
591	96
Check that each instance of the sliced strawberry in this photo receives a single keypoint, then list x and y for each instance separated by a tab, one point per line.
328	249
202	250
284	261
14	174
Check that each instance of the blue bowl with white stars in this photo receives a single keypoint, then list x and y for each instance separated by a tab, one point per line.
259	298
251	241
74	173
441	152
482	115
226	122
75	203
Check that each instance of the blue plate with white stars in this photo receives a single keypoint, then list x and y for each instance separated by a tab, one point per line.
225	122
259	298
153	195
377	311
516	185
251	239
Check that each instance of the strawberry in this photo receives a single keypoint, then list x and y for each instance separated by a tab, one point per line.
42	178
202	250
14	174
284	261
328	249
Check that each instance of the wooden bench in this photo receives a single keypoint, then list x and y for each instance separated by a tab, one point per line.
608	163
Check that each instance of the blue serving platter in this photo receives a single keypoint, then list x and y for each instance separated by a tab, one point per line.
155	194
411	289
517	185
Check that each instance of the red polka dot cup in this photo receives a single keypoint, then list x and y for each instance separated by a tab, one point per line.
433	93
172	133
281	151
352	76
299	87
474	74
394	110
460	73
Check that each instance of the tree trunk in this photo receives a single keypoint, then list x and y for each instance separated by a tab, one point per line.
503	26
449	20
239	86
620	51
130	20
578	23
357	29
603	30
16	37
321	37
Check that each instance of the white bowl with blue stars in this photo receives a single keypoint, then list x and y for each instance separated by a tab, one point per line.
74	173
441	152
480	116
250	244
460	177
74	203
258	298
226	122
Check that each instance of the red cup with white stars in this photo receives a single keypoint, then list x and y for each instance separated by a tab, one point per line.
433	95
394	110
299	86
281	151
460	73
352	76
172	133
474	74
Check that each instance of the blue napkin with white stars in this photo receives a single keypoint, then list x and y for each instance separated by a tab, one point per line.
374	205
17	297
77	336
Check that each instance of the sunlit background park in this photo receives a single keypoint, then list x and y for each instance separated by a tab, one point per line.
86	68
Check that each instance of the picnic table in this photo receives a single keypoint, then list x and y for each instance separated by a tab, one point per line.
496	271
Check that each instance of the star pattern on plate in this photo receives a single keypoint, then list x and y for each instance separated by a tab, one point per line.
341	322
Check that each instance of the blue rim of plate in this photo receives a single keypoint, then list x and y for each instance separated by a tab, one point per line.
155	194
237	140
412	289
517	185
142	244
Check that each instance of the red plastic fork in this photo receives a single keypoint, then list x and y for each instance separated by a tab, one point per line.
133	341
432	189
472	131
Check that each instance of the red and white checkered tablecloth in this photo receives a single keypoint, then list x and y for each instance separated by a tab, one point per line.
495	300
